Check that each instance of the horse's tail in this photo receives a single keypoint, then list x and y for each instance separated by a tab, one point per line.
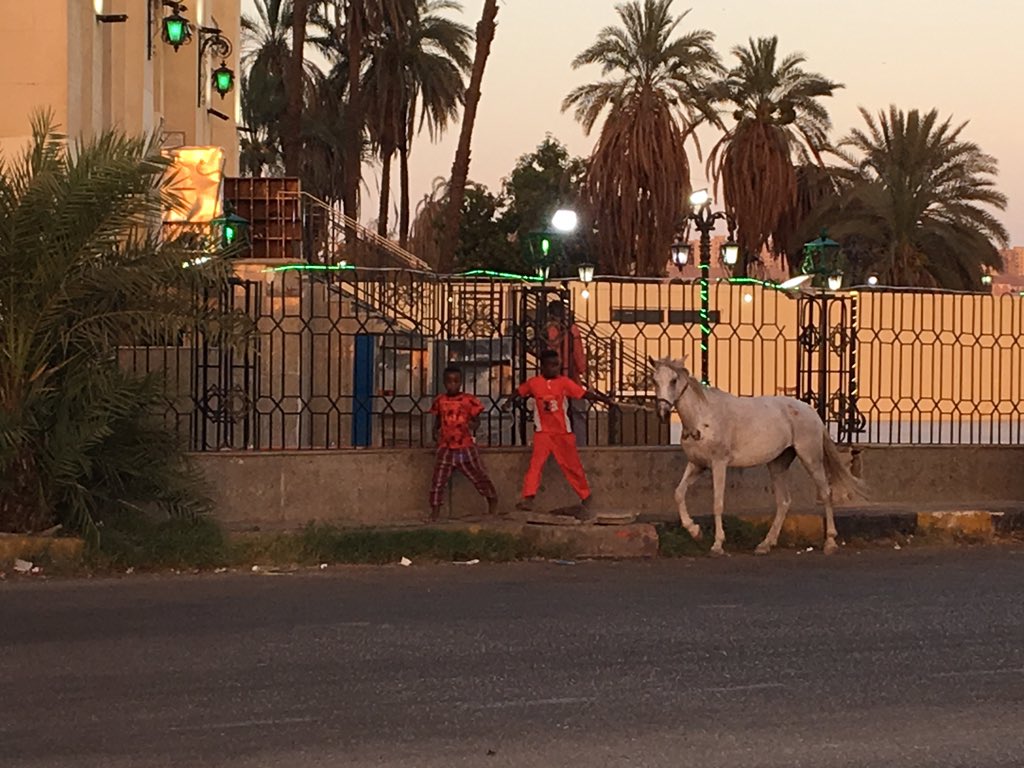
842	481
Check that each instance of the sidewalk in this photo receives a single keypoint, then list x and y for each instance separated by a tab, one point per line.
975	522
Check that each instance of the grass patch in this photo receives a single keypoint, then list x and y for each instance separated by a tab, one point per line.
142	543
326	544
740	536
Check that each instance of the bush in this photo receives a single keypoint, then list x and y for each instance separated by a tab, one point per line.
83	271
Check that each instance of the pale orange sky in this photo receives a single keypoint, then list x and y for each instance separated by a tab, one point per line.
963	58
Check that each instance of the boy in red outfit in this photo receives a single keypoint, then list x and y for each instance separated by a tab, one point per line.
551	392
456	419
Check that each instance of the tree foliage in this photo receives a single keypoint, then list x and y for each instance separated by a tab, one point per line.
84	272
780	123
655	88
922	198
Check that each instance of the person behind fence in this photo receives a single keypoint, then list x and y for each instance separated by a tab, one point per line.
456	419
553	436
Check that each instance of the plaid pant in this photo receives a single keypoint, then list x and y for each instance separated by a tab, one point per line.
467	461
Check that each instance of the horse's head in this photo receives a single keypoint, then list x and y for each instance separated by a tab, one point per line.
671	380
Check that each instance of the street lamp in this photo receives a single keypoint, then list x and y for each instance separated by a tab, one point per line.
231	228
565	221
823	258
586	273
212	41
176	29
730	253
872	280
704	219
223	79
680	254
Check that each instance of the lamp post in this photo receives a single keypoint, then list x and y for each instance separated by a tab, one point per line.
230	228
223	77
175	29
823	262
563	224
704	219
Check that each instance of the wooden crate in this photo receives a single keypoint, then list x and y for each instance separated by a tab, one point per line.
274	212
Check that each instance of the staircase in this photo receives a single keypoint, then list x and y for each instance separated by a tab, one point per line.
331	237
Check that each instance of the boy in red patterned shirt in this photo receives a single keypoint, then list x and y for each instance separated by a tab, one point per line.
456	419
553	435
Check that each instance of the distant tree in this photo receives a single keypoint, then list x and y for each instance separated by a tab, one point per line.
543	181
780	124
414	80
485	29
655	90
922	198
485	240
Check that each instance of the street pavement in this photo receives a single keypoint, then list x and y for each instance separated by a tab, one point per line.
878	658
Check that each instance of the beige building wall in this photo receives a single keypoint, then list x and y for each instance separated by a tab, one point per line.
95	76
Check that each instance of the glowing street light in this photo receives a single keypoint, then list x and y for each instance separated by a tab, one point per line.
730	253
176	29
700	198
680	254
565	221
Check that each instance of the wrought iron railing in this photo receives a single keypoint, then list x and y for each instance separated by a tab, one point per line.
353	357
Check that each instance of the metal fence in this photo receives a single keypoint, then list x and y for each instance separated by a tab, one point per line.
353	358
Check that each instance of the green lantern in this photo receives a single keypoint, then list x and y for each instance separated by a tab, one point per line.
176	30
823	259
223	79
232	228
545	246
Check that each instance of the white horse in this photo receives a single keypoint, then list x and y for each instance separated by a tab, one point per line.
721	430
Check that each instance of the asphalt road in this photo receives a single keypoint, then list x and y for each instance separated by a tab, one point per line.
877	659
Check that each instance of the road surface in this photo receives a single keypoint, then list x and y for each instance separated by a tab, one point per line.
874	659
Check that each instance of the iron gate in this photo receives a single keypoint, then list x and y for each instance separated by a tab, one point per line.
225	380
827	362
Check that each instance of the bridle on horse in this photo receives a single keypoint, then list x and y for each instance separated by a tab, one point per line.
671	405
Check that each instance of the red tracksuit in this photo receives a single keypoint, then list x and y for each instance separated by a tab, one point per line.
553	435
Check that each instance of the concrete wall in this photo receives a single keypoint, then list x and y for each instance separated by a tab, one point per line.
374	487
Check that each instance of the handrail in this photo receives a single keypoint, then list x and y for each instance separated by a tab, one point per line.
362	232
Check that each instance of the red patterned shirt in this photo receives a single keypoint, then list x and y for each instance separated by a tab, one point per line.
454	414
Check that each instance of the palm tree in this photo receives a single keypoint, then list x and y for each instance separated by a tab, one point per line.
82	273
780	122
922	197
266	53
639	175
414	81
295	89
460	166
363	21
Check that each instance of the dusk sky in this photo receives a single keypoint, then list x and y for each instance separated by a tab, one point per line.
964	59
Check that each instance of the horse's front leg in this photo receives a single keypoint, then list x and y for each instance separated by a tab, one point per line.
690	475
718	470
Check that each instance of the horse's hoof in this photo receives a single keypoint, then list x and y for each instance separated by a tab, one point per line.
763	549
831	547
717	551
696	533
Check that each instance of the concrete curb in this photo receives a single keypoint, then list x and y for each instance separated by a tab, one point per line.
65	551
865	524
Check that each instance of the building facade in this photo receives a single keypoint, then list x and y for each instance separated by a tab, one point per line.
97	73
